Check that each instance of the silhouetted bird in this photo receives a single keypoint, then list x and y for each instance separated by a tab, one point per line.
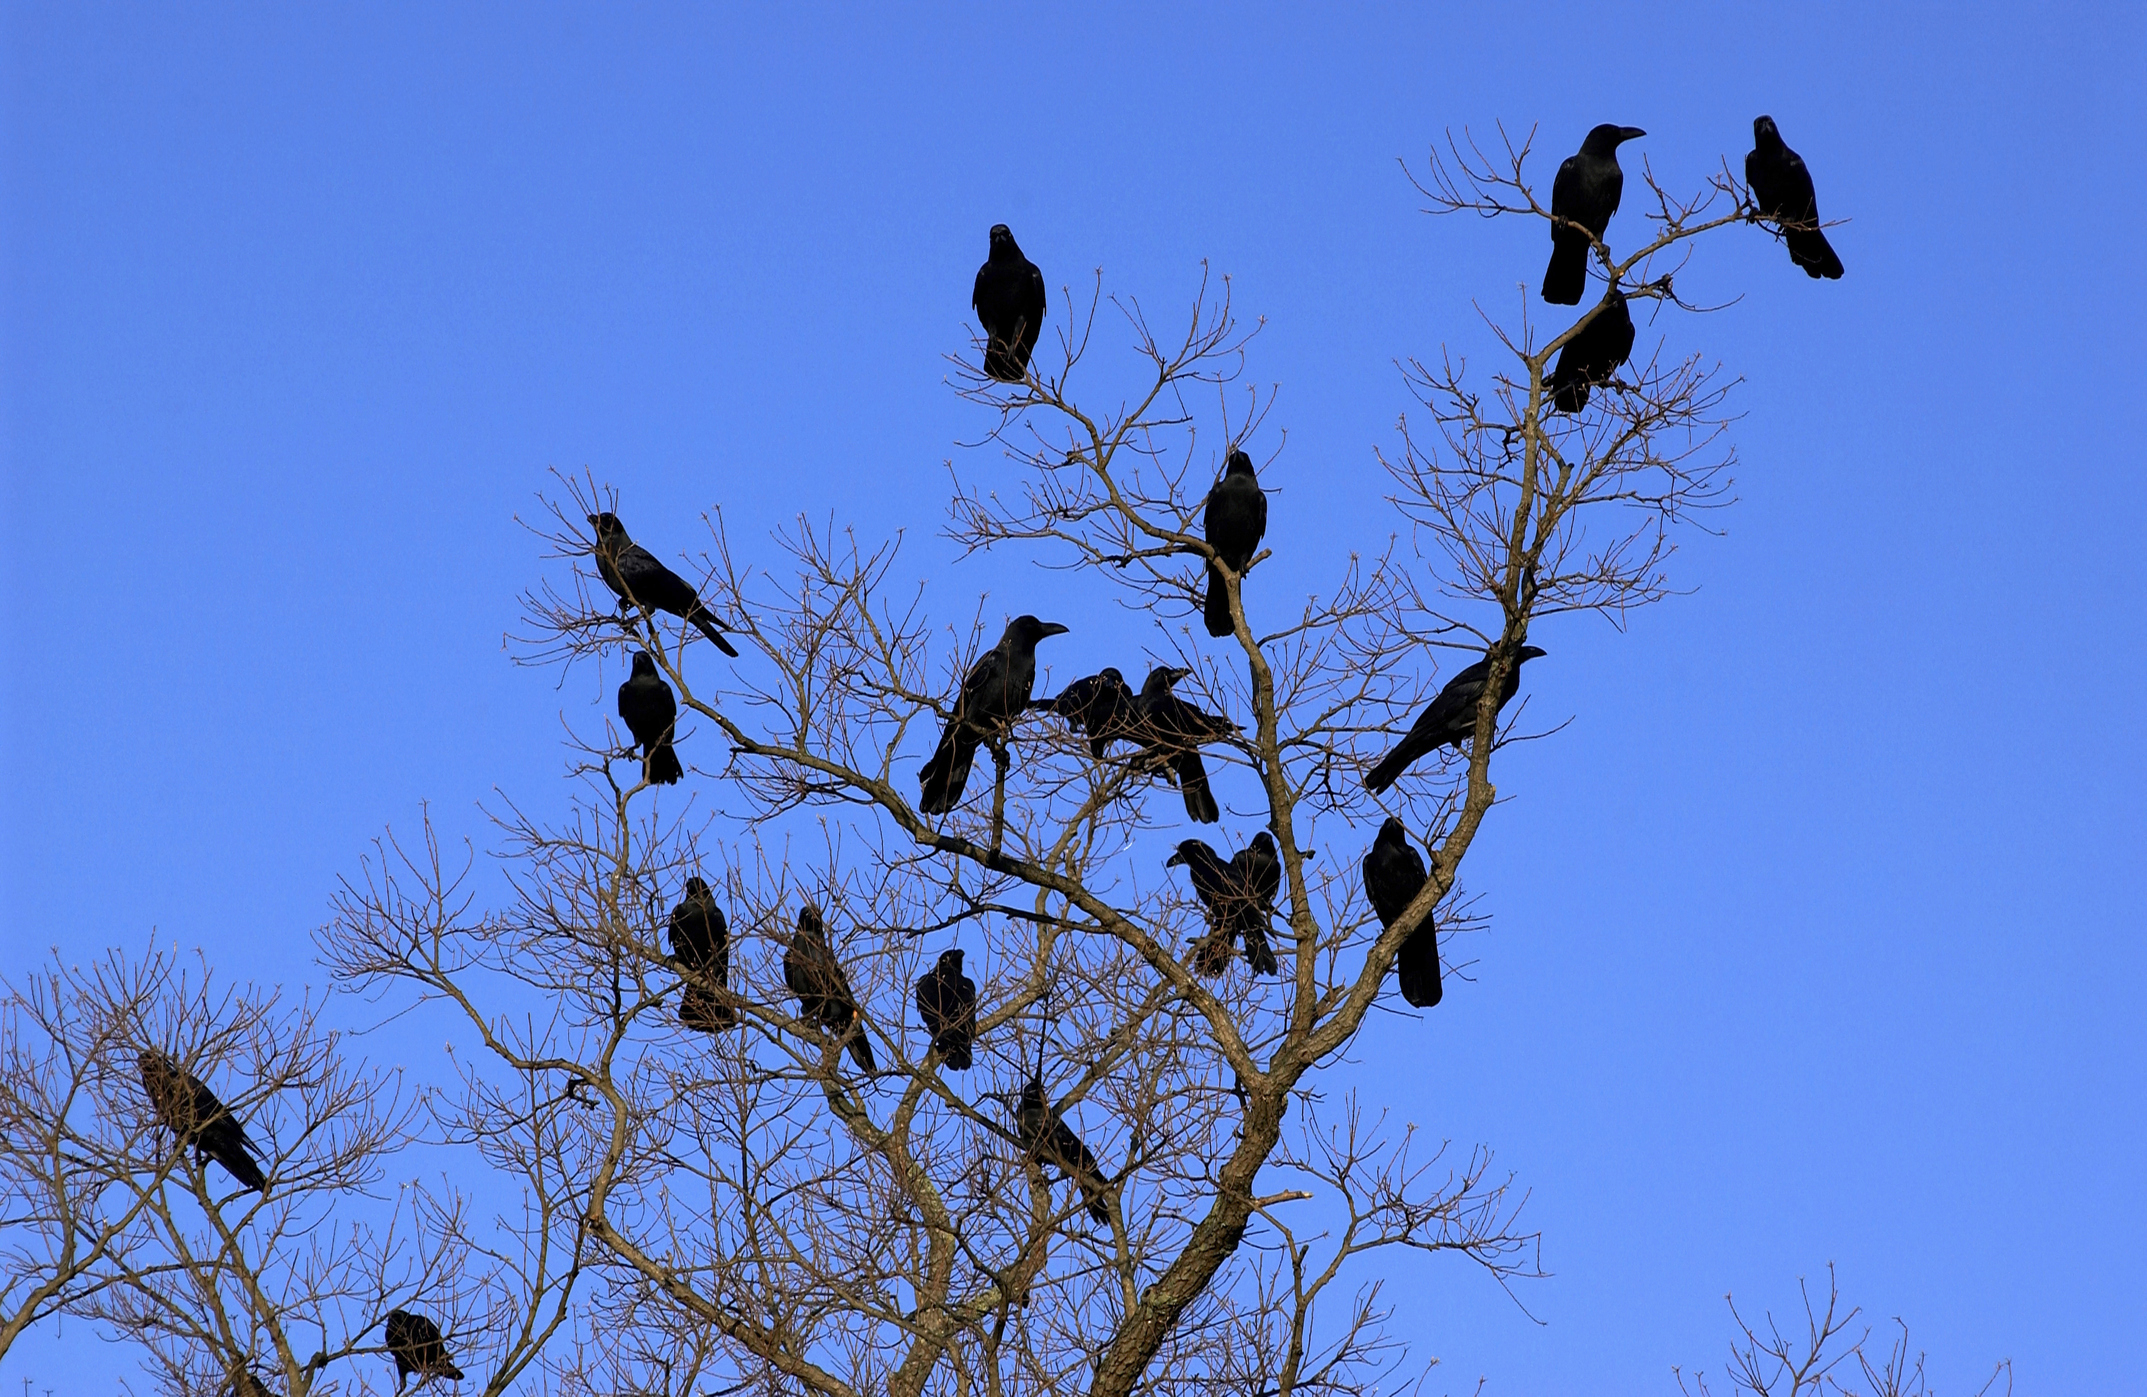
640	581
947	1006
1235	522
996	690
416	1345
1584	193
1394	874
1049	1140
701	948
815	977
651	713
244	1383
1782	188
1100	705
1238	898
190	1111
1171	732
1592	356
1450	720
1009	301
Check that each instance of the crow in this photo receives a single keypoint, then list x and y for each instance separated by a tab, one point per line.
1584	195
815	977
186	1107
1171	733
1450	720
640	581
1009	301
1049	1140
1393	875
947	1006
245	1383
1100	705
651	713
1238	898
1782	188
1235	522
418	1348
1592	355
993	694
701	949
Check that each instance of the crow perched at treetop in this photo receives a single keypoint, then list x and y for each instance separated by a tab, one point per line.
641	581
1782	188
1235	522
186	1107
1171	732
1049	1140
651	713
947	1006
1449	720
1593	355
1584	193
1238	897
417	1347
815	977
996	690
701	948
1394	874
1100	705
1009	301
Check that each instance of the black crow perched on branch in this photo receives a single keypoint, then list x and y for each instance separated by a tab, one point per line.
1584	195
1235	522
1238	897
1782	188
641	581
186	1107
1100	706
1172	732
1049	1140
1009	301
815	977
1394	874
650	711
701	948
947	1006
1449	720
1592	355
993	694
417	1347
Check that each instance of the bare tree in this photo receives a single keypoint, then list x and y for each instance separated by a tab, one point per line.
1827	1354
773	1197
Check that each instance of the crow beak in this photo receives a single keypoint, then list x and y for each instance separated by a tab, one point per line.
1630	133
1053	628
592	521
1174	860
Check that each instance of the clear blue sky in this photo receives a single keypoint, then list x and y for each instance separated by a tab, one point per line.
1818	932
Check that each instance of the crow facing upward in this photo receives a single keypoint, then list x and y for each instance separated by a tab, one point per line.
1235	522
1593	355
1782	188
417	1347
701	949
995	691
186	1107
1449	720
815	977
1100	705
1238	898
1171	732
650	712
1393	875
947	1006
1009	302
1049	1140
1584	195
641	581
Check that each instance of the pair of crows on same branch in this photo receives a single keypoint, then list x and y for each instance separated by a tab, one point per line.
1586	193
